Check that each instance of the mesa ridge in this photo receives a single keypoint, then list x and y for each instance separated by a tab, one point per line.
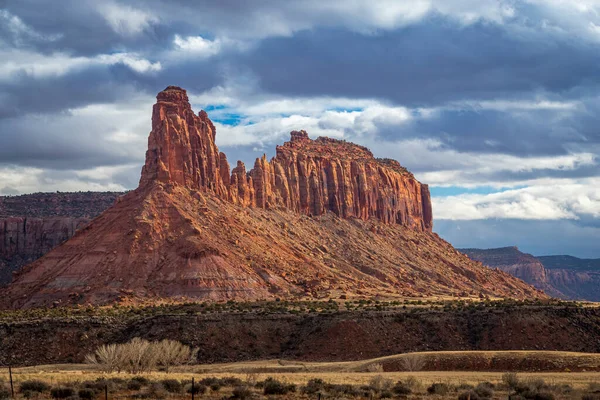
322	219
307	176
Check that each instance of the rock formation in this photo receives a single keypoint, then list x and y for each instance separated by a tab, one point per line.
307	176
323	218
564	277
32	225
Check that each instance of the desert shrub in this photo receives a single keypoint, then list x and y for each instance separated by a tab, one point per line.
537	384
231	381
511	379
465	387
468	395
591	396
594	387
401	389
171	385
34	385
134	385
441	389
4	393
215	387
413	362
543	396
139	355
241	393
198	388
344	390
273	386
61	392
108	357
171	353
375	367
412	382
157	391
380	384
386	394
141	379
485	390
209	381
86	394
313	386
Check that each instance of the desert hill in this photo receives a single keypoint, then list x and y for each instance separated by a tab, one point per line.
323	218
565	277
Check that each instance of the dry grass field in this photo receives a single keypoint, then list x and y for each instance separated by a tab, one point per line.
368	378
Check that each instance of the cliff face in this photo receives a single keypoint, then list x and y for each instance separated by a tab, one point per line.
577	278
307	176
32	225
23	240
195	230
565	277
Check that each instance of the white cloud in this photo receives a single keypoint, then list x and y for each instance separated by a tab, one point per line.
19	180
37	65
545	200
198	45
126	20
20	30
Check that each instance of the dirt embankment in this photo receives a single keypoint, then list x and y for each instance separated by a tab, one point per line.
340	336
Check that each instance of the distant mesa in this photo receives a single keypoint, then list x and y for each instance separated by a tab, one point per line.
321	219
564	277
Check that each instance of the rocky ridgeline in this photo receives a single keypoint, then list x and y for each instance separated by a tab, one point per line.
322	219
59	204
564	277
306	176
32	225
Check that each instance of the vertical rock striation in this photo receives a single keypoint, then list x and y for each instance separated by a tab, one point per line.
307	176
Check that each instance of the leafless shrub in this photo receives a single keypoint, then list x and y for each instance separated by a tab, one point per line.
109	357
381	384
413	362
375	367
172	353
139	355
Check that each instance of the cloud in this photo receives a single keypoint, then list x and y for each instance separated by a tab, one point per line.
198	44
34	65
97	135
126	20
501	95
545	200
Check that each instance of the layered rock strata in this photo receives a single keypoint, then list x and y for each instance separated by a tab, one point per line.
307	176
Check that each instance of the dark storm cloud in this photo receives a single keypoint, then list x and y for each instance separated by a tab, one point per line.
427	64
79	28
512	131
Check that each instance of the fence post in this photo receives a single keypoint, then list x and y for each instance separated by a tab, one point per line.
105	392
12	388
193	388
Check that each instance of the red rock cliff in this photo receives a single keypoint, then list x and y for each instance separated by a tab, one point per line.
307	176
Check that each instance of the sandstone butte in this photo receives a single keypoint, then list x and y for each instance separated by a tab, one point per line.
322	219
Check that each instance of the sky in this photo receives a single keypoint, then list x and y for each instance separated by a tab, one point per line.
495	104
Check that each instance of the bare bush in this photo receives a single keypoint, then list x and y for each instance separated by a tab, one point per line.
172	353
139	355
413	362
381	384
109	357
375	367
